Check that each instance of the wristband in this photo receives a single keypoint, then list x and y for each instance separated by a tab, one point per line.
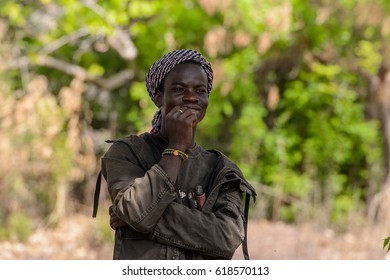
176	153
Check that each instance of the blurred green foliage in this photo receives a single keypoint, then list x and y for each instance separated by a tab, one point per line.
289	103
386	243
19	227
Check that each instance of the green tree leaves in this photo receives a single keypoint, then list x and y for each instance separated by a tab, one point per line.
289	103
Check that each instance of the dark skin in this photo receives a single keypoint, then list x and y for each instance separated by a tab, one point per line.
183	100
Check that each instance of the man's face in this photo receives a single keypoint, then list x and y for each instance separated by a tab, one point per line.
185	86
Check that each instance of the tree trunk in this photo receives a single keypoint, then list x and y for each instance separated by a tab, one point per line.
60	205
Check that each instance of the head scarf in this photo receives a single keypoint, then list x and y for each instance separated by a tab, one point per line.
160	69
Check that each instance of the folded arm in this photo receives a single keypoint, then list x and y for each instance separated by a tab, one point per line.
139	198
217	233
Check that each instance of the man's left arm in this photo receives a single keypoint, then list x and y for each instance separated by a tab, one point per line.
216	233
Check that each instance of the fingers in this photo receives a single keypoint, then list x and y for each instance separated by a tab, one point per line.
115	222
186	114
182	110
178	125
177	111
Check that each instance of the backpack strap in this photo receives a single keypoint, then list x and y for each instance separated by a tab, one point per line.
246	215
96	195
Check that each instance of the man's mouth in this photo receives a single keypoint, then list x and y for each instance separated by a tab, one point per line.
194	109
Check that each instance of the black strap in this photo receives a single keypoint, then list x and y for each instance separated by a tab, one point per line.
96	195
246	214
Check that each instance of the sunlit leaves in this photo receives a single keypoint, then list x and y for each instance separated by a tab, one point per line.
248	132
321	111
142	108
13	11
369	55
96	70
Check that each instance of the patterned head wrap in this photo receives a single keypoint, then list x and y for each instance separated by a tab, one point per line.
160	69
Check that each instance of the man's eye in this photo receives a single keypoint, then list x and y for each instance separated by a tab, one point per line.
178	89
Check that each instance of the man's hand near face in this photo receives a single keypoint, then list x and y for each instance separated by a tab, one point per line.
179	126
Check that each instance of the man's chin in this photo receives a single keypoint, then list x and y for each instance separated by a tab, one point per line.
199	116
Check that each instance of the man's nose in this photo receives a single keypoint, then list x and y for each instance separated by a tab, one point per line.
190	95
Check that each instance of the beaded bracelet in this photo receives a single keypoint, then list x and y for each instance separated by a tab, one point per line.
176	153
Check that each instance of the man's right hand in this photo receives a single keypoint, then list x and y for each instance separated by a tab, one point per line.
179	125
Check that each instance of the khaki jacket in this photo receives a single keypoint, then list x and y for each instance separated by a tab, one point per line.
162	222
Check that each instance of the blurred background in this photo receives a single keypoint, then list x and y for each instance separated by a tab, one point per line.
301	102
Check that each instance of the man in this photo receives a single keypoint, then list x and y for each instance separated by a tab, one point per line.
172	199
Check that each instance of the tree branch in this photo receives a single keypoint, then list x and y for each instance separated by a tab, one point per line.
64	40
122	43
109	84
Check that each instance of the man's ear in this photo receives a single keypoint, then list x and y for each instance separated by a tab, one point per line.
158	98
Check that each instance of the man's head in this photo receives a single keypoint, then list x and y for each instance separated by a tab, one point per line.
186	87
167	62
163	66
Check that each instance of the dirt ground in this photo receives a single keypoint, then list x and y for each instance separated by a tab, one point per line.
76	238
279	241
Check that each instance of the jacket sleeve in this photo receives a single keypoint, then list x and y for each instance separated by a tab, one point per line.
216	233
139	197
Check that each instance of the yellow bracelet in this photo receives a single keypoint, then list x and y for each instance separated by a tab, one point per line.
176	153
